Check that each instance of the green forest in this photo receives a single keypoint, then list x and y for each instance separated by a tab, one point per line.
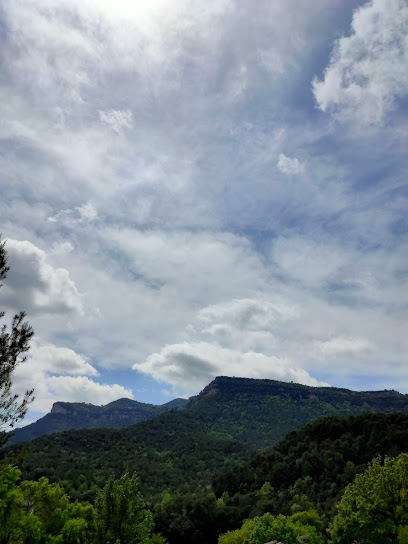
336	480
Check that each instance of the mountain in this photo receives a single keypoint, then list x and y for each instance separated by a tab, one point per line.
66	416
230	420
262	412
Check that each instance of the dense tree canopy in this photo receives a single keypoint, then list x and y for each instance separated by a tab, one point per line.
41	513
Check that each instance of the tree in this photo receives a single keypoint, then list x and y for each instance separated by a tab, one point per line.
374	508
302	526
13	344
121	514
41	513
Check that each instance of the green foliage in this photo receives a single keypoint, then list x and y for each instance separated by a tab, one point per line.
240	535
11	502
290	530
40	513
121	514
374	508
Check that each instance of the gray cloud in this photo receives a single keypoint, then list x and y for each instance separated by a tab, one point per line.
189	367
36	286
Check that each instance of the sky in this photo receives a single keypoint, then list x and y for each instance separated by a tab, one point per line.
192	188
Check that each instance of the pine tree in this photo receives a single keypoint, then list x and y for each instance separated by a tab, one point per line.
14	342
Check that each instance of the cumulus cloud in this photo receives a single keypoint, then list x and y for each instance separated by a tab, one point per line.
367	71
289	166
36	286
59	360
190	367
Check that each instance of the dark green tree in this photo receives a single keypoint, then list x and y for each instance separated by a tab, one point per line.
13	343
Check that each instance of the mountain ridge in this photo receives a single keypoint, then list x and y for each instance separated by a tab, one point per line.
66	416
229	421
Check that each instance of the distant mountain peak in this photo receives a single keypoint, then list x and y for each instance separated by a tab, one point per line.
66	416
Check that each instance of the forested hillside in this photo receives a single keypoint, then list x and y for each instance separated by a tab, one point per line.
314	463
308	469
229	421
66	416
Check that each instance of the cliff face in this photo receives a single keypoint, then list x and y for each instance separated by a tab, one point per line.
58	408
225	388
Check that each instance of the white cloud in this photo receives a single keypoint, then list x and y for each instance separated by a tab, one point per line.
36	286
246	314
244	324
355	347
367	72
58	360
64	248
87	212
202	265
308	261
78	388
63	216
189	367
289	166
61	374
117	120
